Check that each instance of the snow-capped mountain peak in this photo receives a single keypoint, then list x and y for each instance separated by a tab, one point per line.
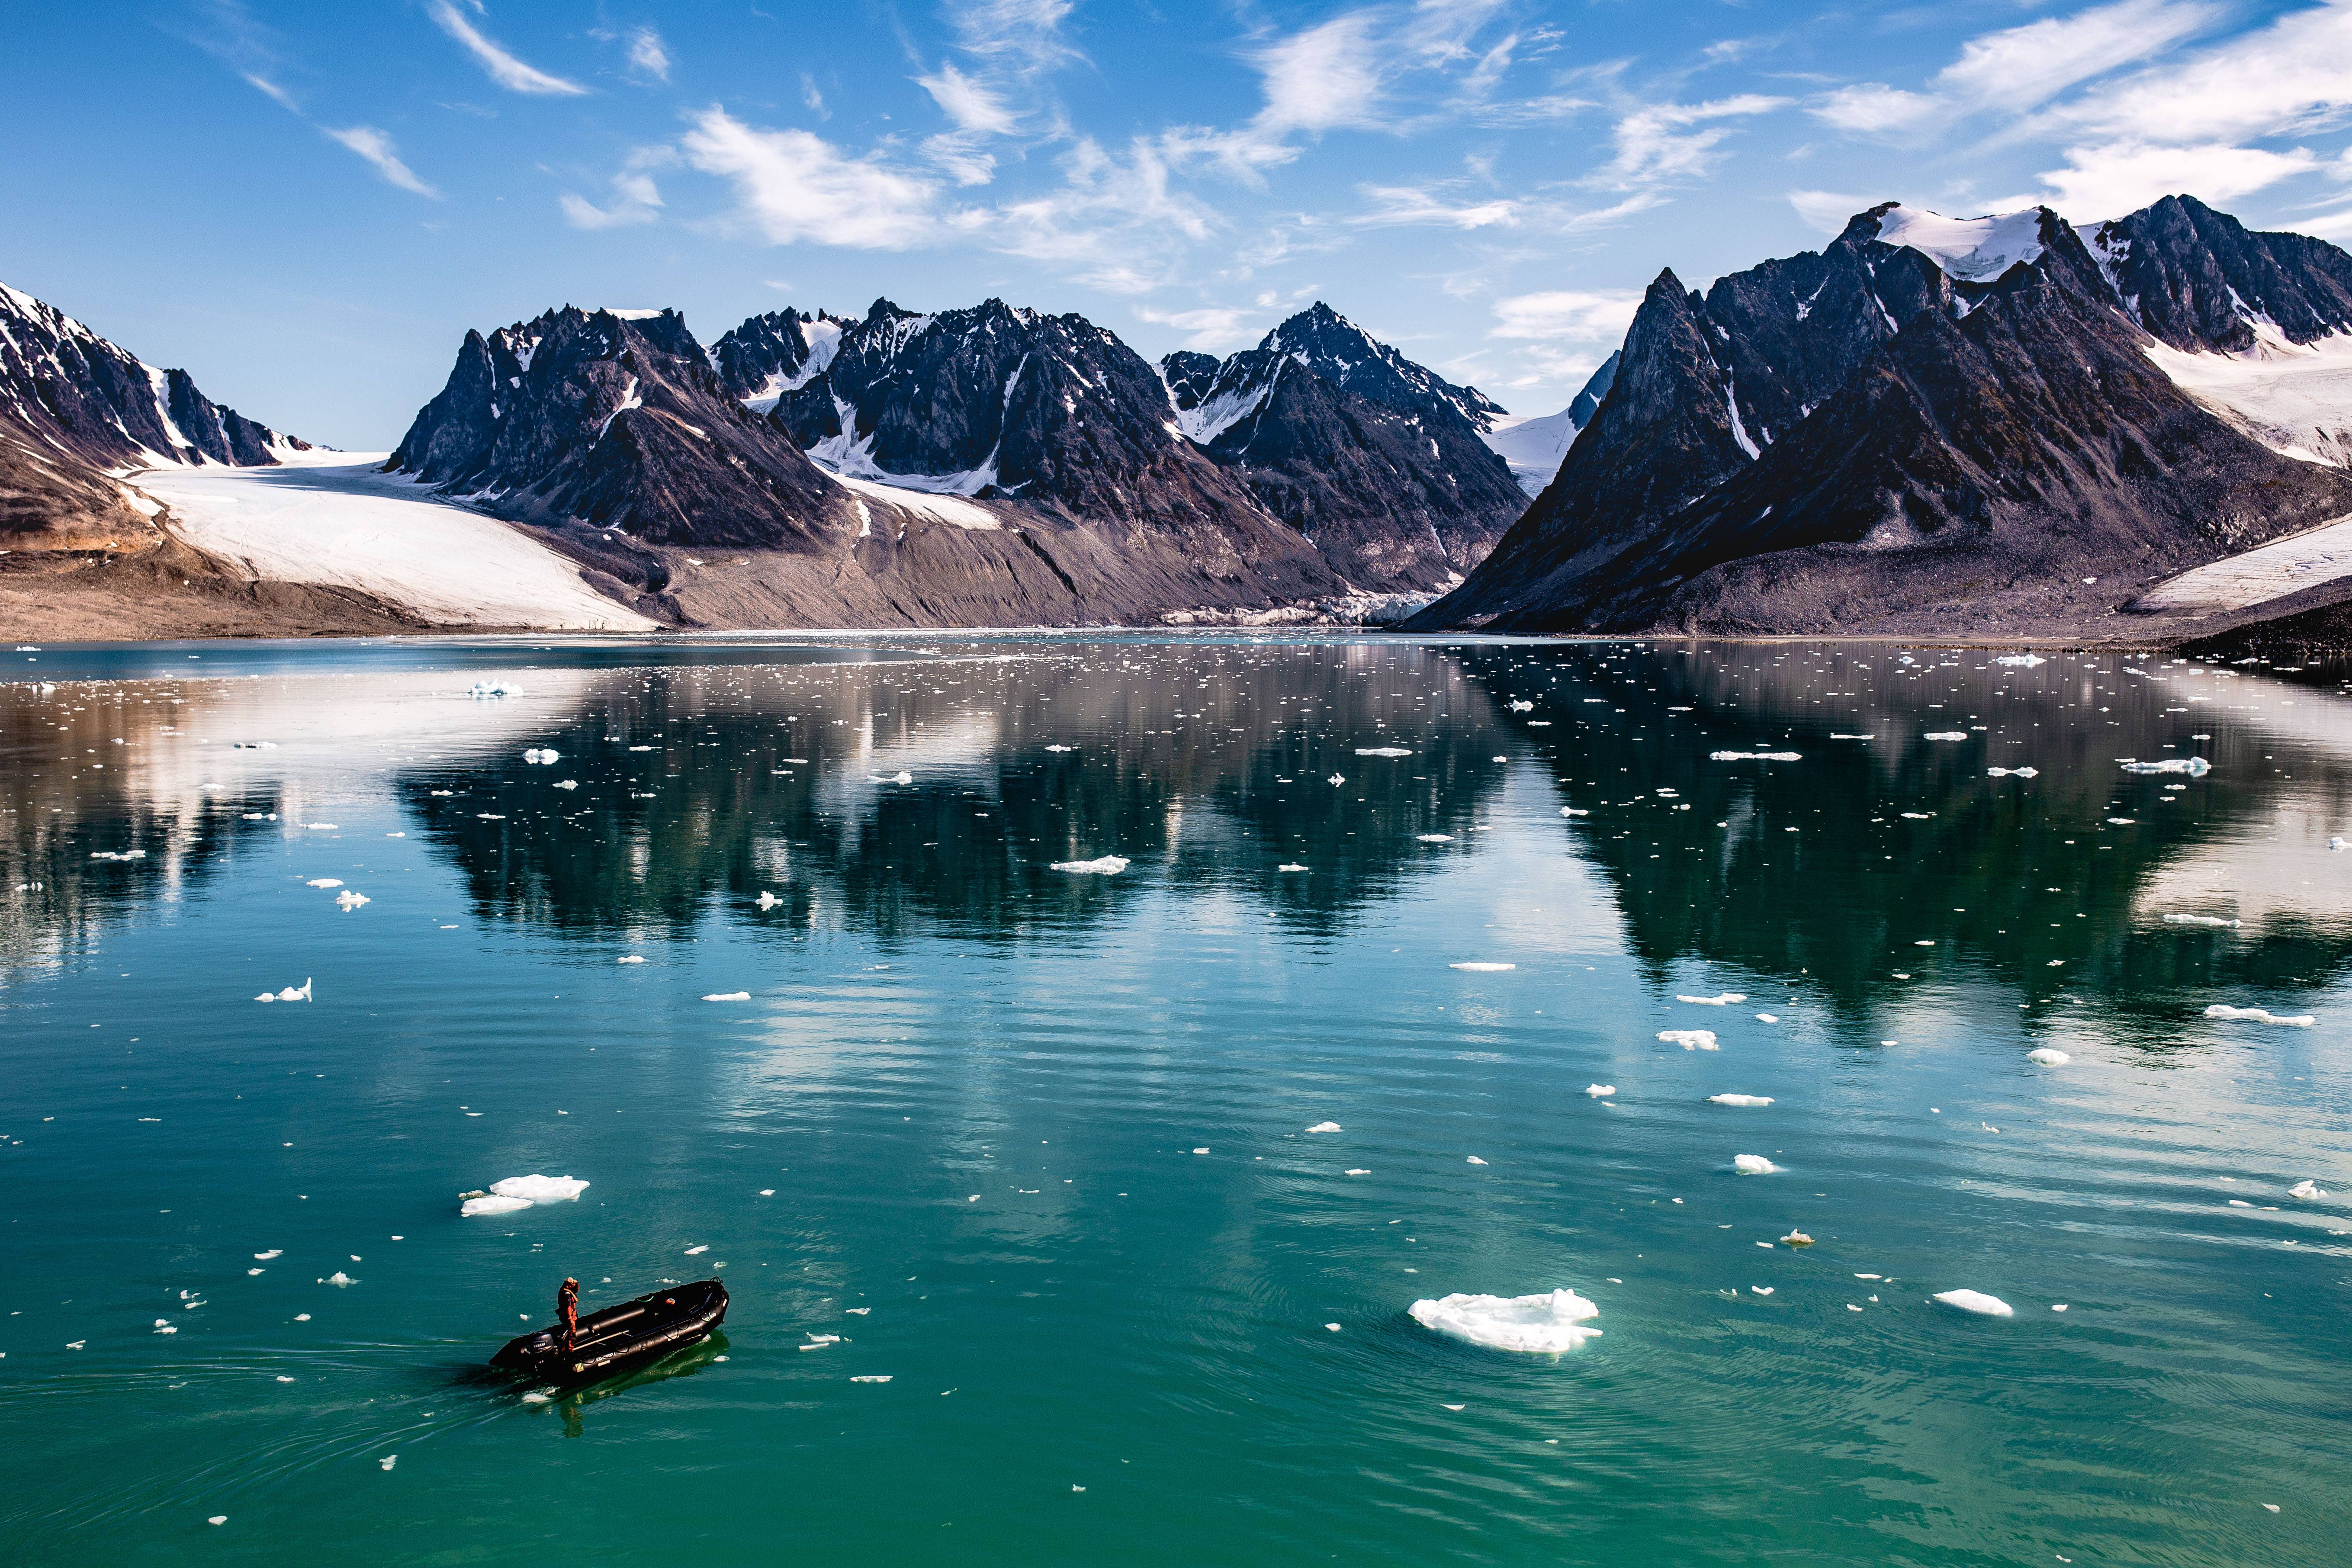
1352	360
1971	249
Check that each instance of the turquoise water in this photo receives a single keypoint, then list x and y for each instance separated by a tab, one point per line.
1032	1143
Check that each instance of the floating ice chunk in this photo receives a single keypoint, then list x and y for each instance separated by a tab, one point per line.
629	958
1601	1091
2049	1056
1689	1039
1324	1127
901	777
1475	1161
1549	1322
767	900
118	854
1479	966
567	784
1724	999
2195	767
326	882
1383	752
1337	779
1976	1301
1355	1173
1767	1017
1752	1165
1739	1099
266	1257
2260	1016
2306	1189
2335	843
728	996
1521	707
1761	1289
2122	821
486	1204
493	688
1199	1151
218	1519
2014	773
1573	811
1332	1327
347	899
1102	865
164	1326
2026	659
389	1460
2175	919
338	1279
1945	736
1061	748
539	1189
884	1377
290	994
1755	757
1796	1238
1433	837
1839	737
1290	867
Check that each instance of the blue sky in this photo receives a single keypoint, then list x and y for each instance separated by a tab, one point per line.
307	205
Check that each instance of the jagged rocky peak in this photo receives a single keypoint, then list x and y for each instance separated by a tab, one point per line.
2200	279
993	400
1352	360
1942	423
100	404
775	353
615	419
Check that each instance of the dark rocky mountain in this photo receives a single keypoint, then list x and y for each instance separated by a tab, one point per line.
2197	279
770	355
1931	426
1381	461
86	399
624	442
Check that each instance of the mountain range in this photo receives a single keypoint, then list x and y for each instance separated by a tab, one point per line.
1989	428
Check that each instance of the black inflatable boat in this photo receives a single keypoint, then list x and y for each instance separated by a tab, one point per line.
620	1339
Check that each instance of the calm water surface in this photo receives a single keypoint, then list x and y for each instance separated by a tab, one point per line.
1032	1142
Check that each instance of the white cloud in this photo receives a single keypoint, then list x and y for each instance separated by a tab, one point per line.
1212	329
812	98
503	68
1873	108
969	103
2019	68
1023	35
648	54
1566	315
1827	211
636	198
2293	76
2333	225
2109	181
792	188
1394	205
377	149
1324	78
1656	144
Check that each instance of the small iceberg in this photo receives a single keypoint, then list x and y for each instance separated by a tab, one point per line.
728	996
1517	706
2195	767
291	993
511	1193
1722	1000
2173	920
2014	773
1478	966
2049	1056
539	756
1753	1165
1382	751
493	688
347	899
2260	1016
325	882
901	777
1290	867
2024	661
1945	736
2307	1189
1976	1301
1739	1099
1601	1091
1433	837
1689	1039
1548	1323
1103	866
1324	1127
1755	757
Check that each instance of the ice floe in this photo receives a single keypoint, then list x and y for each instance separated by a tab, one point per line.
2260	1016
2195	767
1689	1039
728	996
2026	660
1324	1127
1755	757
2049	1056
291	993
2175	919
511	1193
1601	1091
1945	736
1478	966
2306	1189
2014	773
347	899
1547	1323
1739	1099
1976	1301
1101	866
1723	999
1383	752
1753	1165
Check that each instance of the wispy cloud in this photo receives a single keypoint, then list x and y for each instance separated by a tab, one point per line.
792	187
377	148
1566	315
1211	329
648	54
968	103
502	66
636	198
1420	204
1672	143
2108	181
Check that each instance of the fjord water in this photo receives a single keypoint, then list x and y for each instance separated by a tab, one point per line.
1032	1143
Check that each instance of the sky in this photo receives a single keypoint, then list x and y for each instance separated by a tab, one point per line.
307	206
